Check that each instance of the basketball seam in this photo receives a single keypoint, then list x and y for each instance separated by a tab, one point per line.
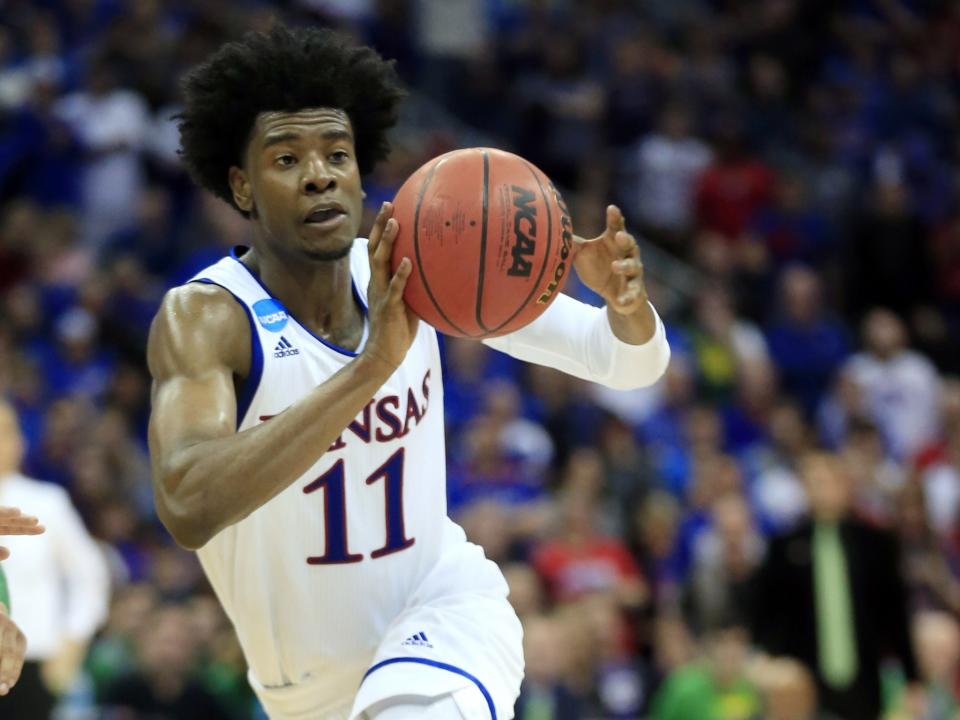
416	250
483	239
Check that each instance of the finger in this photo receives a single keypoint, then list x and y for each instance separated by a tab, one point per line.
399	281
379	223
628	267
615	221
9	512
380	259
626	244
385	249
22	523
11	649
29	530
632	294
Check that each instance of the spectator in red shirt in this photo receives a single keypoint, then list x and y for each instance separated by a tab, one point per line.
734	186
581	559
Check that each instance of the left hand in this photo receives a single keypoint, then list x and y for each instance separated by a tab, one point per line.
610	265
13	648
13	522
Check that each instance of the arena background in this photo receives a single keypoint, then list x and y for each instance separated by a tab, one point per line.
792	168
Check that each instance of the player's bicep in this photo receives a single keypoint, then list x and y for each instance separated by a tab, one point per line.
187	410
193	353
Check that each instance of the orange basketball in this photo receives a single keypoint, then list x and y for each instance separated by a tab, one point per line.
490	240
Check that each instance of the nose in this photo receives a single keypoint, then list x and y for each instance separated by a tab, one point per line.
316	177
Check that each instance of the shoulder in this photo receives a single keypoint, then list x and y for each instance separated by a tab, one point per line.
195	320
200	298
201	306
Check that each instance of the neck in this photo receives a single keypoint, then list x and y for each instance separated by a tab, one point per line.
319	294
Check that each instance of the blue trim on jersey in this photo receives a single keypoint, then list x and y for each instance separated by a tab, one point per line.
252	381
442	666
327	343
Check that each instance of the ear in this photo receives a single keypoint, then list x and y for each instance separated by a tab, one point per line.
242	192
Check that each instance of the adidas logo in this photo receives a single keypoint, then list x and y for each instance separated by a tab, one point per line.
418	640
284	349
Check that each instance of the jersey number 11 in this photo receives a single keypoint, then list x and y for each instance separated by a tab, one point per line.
335	511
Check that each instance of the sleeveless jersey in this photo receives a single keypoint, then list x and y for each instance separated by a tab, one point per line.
312	579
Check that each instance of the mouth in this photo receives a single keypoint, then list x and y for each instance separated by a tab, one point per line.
325	215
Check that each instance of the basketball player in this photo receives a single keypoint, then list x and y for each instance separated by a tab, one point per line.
297	422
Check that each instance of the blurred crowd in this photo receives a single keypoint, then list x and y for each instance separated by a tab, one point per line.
798	159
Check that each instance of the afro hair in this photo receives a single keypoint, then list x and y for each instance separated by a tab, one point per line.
283	70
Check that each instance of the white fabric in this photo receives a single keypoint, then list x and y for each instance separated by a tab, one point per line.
59	583
576	338
469	631
668	171
445	707
748	342
452	28
113	129
310	631
902	396
941	484
779	494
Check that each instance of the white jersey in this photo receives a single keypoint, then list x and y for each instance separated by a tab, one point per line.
312	578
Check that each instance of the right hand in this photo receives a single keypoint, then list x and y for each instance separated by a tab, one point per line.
392	325
14	522
13	649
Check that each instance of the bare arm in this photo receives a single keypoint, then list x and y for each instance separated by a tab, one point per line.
207	476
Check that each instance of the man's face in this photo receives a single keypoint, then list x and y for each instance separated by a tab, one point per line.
828	489
301	183
884	333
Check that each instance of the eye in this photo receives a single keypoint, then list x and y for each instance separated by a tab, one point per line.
339	156
286	160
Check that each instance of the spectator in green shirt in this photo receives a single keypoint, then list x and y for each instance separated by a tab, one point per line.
713	688
936	637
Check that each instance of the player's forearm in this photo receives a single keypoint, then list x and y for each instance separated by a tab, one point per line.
635	329
582	341
215	483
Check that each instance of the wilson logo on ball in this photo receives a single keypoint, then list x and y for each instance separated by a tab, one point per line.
524	246
566	240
